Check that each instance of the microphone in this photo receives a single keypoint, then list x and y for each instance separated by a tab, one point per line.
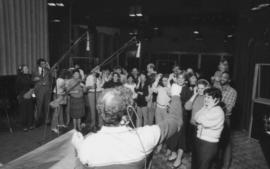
138	54
87	41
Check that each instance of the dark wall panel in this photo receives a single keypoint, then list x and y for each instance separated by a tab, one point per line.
23	33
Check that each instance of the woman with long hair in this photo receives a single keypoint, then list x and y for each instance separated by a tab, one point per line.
114	82
142	92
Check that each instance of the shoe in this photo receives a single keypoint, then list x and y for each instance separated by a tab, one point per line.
177	163
55	131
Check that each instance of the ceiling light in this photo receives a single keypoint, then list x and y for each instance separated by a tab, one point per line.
260	5
139	11
156	28
263	5
56	20
135	11
60	4
196	32
51	4
230	36
132	12
255	8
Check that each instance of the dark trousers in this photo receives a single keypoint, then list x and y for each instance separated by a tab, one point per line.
43	95
26	109
225	145
203	154
191	136
178	140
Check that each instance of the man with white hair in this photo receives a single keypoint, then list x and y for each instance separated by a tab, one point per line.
118	146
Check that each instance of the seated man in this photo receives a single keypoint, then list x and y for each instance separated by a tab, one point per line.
118	146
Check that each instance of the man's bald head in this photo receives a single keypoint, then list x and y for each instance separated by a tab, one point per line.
113	103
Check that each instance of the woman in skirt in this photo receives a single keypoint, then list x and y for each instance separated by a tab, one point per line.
76	89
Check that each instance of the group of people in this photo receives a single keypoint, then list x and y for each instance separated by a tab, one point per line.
203	108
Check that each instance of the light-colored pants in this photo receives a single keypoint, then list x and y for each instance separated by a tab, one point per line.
57	118
92	115
161	114
143	118
151	106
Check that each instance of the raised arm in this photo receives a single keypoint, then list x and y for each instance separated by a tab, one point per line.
174	121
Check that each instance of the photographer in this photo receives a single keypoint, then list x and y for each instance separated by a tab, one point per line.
117	145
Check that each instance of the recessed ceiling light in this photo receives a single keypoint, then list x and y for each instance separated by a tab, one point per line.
60	4
156	28
56	20
132	15
51	4
139	14
196	32
230	36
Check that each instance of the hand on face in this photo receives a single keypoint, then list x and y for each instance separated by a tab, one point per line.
210	102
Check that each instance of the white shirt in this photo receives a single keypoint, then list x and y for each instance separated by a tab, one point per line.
82	73
132	88
40	71
210	123
117	145
91	80
163	98
60	85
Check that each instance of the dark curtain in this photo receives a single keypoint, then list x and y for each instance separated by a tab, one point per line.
23	33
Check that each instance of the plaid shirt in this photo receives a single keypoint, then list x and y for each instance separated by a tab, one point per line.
229	96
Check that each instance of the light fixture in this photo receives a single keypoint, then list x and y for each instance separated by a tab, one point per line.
56	20
132	12
51	4
156	28
260	5
196	32
135	11
139	14
60	4
139	11
230	36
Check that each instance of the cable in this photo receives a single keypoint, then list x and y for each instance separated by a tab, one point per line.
128	113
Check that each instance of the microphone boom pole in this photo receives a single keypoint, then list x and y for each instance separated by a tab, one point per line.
127	44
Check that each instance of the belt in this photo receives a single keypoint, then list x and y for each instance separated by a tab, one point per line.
162	106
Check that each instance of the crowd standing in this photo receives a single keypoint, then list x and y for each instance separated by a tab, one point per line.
207	106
